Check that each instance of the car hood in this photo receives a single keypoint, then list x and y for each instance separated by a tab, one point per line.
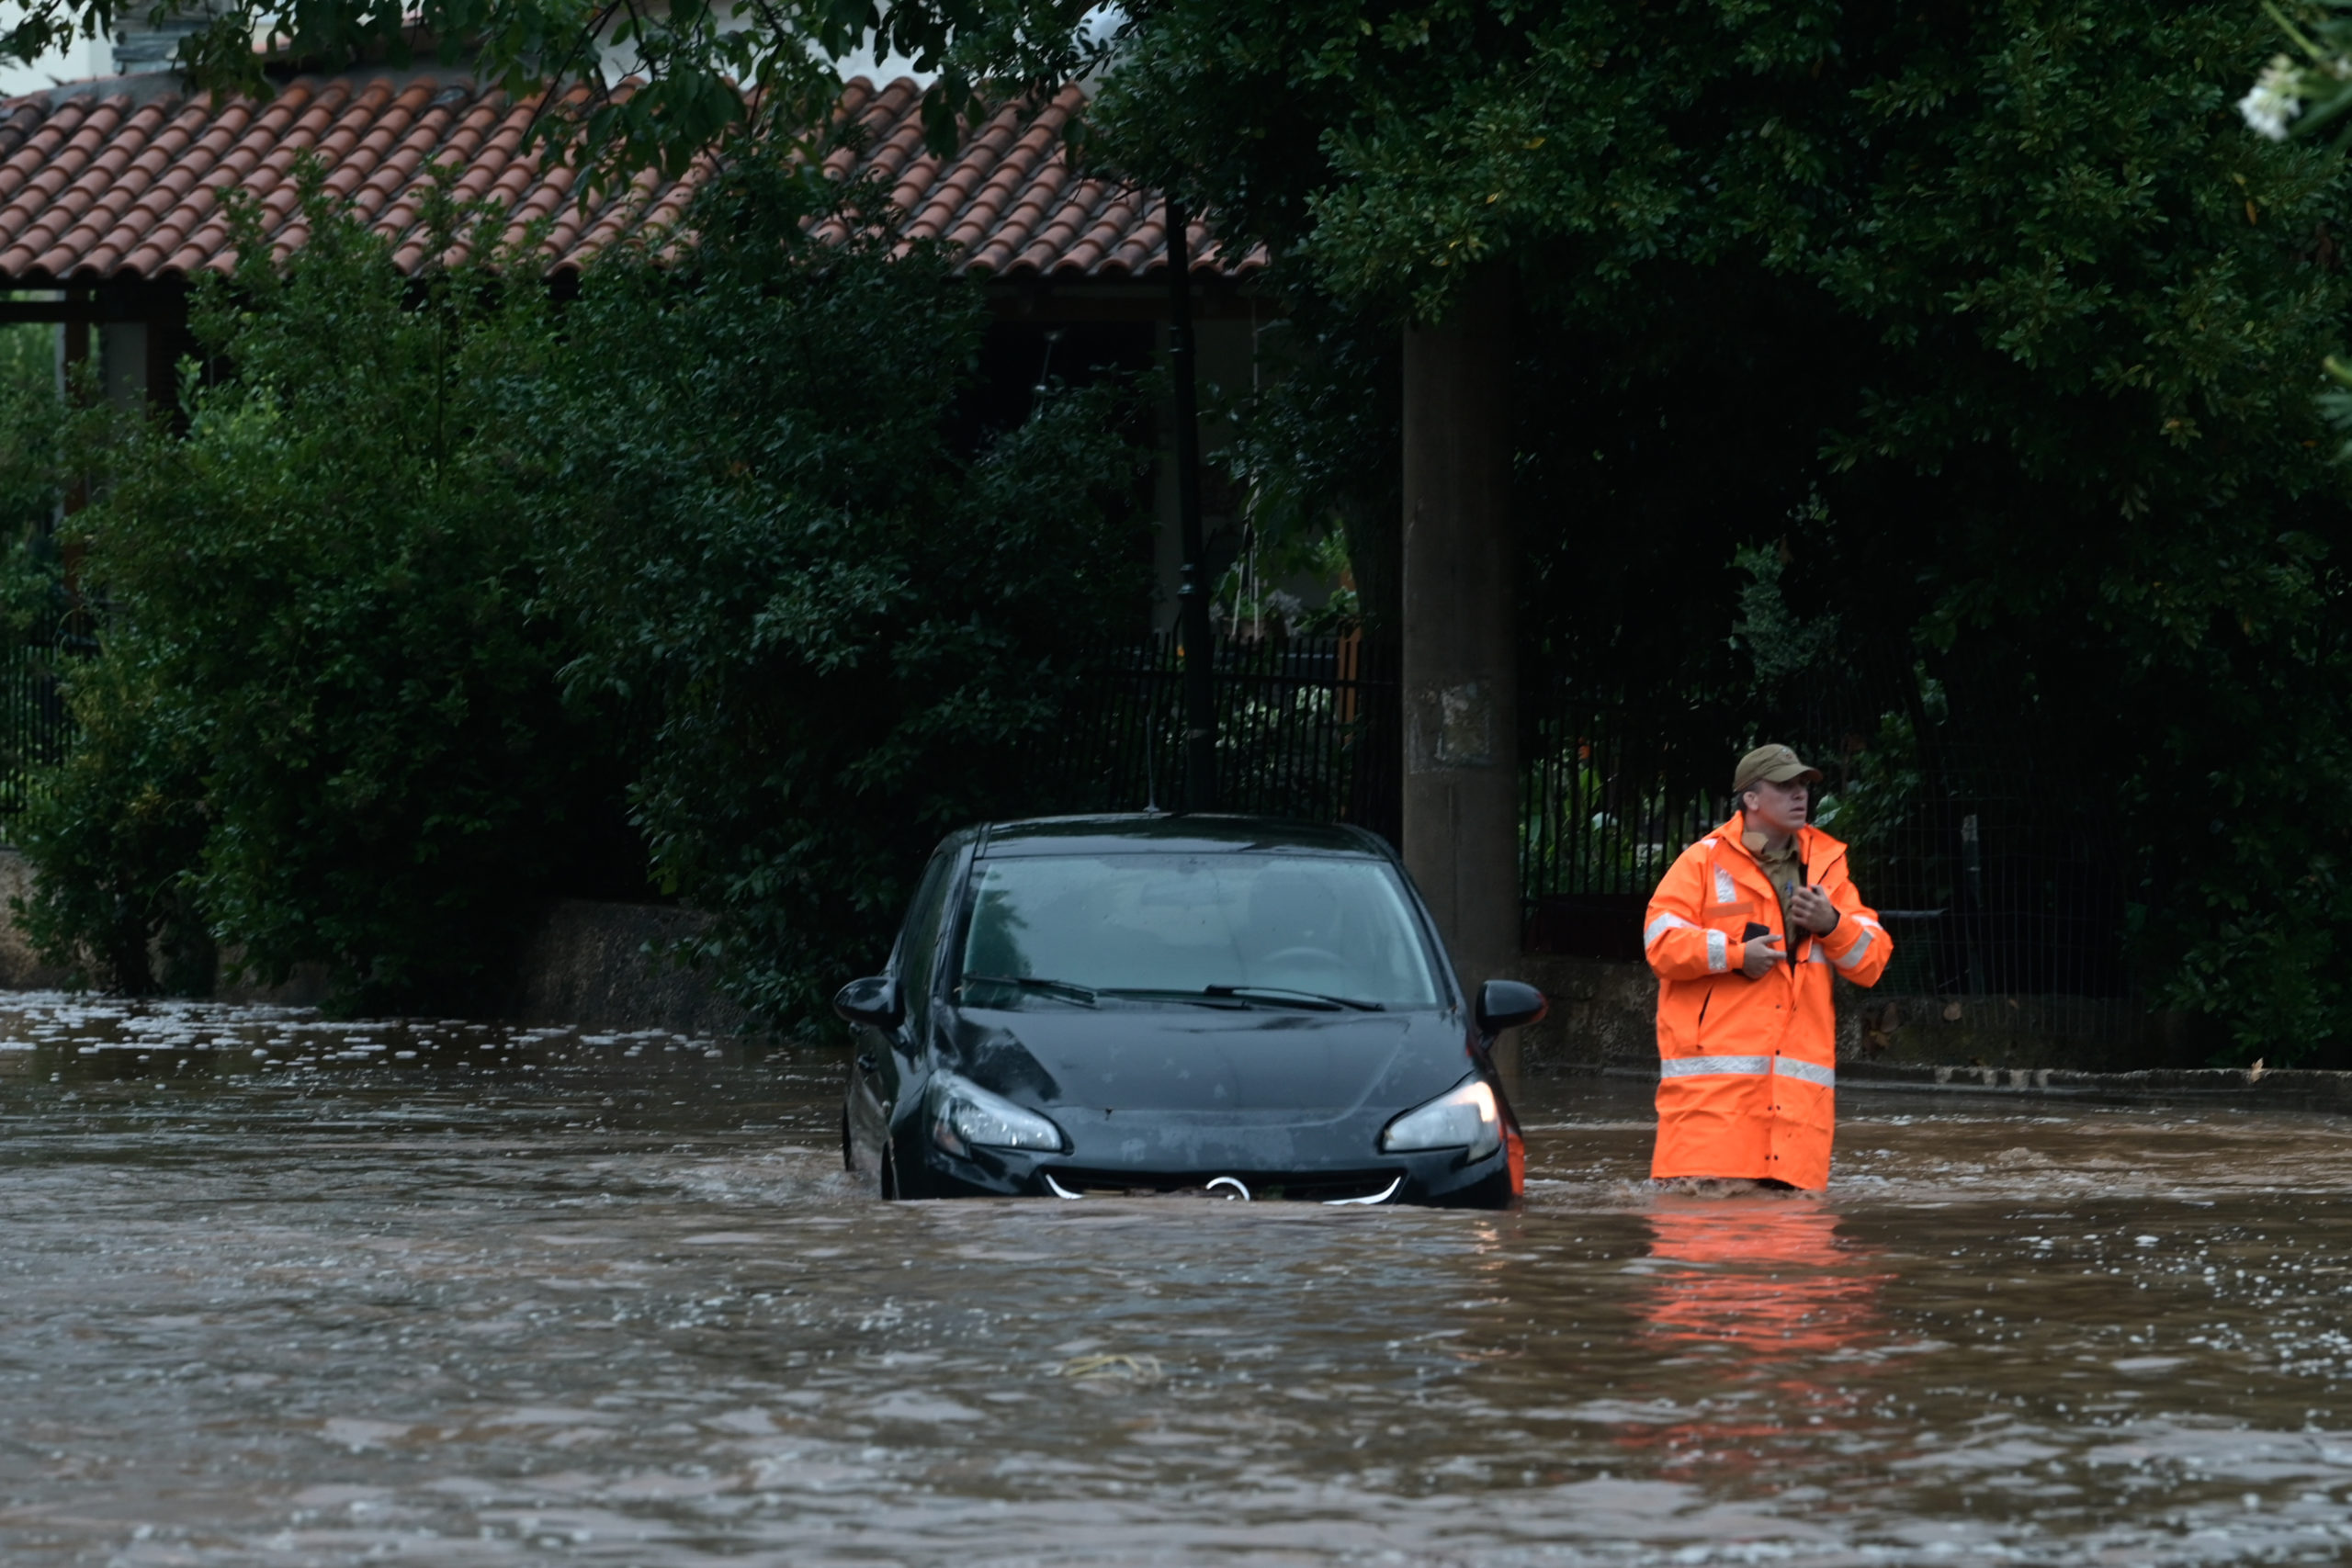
1246	1064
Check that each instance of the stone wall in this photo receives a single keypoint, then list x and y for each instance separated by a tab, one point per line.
1604	1016
586	964
595	965
20	968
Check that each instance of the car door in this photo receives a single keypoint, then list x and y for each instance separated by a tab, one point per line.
881	1058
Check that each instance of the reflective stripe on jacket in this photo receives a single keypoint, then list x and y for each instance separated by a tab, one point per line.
1747	1068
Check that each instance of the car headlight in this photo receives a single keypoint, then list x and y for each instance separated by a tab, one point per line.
962	1113
1464	1117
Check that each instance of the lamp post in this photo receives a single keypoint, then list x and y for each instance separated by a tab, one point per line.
1192	595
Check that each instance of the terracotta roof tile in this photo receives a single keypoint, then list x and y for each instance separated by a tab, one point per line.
95	181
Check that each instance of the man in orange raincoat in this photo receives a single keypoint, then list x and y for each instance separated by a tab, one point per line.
1745	932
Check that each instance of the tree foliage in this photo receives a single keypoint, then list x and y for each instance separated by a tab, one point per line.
638	85
45	448
1991	314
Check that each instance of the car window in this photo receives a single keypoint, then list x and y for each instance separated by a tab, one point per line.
921	931
1176	923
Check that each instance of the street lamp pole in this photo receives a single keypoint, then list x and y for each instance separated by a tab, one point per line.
1192	596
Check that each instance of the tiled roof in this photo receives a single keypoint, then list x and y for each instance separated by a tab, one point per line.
97	183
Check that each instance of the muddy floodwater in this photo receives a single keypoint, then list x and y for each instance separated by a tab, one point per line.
280	1290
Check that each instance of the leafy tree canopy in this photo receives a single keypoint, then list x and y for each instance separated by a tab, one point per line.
1992	315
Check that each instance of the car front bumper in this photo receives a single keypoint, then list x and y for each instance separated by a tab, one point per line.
1436	1177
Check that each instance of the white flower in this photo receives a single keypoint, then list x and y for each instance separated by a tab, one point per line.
2277	99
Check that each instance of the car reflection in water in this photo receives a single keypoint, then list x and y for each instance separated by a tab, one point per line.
1762	1293
1233	1007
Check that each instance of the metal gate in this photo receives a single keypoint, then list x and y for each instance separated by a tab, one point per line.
1306	727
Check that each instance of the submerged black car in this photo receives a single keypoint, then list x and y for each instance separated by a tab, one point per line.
1149	1004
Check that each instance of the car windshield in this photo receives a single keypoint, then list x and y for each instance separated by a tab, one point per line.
1049	930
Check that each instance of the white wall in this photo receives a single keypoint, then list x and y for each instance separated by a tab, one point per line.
80	60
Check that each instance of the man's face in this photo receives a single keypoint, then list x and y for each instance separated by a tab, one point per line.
1777	808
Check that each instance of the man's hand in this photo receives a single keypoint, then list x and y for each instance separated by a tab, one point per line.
1757	958
1810	907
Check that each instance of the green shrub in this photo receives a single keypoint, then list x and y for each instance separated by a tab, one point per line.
438	564
847	635
322	725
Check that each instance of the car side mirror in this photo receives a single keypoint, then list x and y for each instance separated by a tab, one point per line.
1506	1004
873	1000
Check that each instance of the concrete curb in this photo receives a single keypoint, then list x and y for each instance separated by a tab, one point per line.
2286	1089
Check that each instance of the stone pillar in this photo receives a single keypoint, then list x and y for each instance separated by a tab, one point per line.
1459	631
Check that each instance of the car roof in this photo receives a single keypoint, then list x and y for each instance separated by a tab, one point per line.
1156	832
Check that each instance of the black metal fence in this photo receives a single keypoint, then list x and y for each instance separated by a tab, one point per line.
1306	727
1610	797
1997	871
35	727
1997	875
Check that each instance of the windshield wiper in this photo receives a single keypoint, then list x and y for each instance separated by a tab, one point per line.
1068	990
1062	988
1318	999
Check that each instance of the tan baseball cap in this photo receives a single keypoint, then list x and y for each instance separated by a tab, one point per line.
1770	764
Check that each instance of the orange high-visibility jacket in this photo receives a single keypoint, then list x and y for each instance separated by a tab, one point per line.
1747	1068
